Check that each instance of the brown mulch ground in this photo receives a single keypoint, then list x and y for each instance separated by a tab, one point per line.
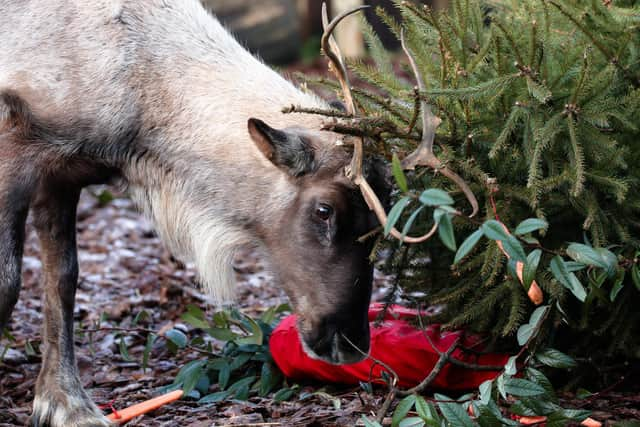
125	270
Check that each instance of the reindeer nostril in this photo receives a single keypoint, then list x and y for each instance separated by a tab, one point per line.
327	341
354	346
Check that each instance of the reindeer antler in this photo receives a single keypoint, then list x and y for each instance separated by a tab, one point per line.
354	171
423	155
336	65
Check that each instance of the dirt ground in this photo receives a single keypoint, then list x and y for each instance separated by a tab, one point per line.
124	269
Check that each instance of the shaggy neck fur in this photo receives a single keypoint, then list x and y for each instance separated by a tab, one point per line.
202	180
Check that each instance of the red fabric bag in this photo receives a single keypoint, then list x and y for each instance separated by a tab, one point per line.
394	342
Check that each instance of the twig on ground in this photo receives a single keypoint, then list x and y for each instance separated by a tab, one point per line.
146	331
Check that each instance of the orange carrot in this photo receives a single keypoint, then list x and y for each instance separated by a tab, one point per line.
470	411
131	412
590	422
534	293
532	420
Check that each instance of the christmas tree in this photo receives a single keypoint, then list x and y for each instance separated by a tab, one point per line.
538	101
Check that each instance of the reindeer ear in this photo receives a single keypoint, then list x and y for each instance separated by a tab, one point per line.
287	150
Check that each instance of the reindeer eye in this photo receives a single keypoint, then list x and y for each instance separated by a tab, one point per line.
324	212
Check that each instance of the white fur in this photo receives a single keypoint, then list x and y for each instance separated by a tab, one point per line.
172	68
194	236
58	413
226	85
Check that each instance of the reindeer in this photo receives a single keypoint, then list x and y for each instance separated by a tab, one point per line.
158	96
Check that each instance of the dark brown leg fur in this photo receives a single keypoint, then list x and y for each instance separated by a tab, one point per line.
60	399
16	187
29	177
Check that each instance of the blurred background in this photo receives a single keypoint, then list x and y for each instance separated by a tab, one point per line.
285	31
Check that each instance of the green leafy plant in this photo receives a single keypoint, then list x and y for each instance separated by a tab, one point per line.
10	338
243	368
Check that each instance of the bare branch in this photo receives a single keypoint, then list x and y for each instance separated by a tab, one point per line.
452	360
319	111
393	390
332	51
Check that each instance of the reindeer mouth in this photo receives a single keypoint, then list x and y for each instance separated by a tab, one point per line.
336	348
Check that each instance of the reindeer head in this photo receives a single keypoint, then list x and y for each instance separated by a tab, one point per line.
328	275
319	259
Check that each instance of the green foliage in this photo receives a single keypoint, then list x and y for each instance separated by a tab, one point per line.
242	369
455	414
5	349
539	102
103	197
403	408
529	394
526	331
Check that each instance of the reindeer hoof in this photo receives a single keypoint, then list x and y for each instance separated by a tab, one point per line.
67	411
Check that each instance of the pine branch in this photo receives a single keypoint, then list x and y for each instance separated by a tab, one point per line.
517	309
492	88
578	158
535	115
635	80
517	112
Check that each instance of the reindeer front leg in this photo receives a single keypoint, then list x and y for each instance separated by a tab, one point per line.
60	400
15	194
